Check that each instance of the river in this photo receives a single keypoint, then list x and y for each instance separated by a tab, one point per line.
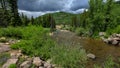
94	46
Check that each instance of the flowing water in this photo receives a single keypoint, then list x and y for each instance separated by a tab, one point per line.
96	47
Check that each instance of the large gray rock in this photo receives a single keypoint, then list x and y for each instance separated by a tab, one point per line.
9	62
25	64
37	61
91	56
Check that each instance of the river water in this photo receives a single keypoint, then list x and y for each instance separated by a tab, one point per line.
96	47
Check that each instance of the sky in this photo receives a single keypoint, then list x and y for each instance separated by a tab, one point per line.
40	7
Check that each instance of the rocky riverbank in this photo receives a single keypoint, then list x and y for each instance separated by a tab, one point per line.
114	39
24	61
19	59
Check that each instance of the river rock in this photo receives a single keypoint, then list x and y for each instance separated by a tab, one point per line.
9	62
25	64
37	61
91	56
115	42
4	48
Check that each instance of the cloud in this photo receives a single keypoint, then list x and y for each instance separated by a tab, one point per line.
77	4
41	7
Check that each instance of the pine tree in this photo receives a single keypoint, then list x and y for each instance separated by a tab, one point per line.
14	13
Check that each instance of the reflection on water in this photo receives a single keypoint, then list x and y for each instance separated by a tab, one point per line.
97	47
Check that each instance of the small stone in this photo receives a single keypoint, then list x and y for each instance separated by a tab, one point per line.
47	65
102	34
20	51
25	64
12	54
9	62
7	43
19	54
37	61
91	56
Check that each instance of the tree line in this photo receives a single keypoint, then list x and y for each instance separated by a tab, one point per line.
101	16
9	16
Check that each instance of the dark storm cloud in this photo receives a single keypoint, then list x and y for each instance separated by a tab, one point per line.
50	5
40	7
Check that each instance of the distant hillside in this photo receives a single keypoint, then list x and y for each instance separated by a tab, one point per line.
62	17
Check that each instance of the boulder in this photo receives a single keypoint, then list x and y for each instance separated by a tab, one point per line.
37	61
9	62
91	56
25	64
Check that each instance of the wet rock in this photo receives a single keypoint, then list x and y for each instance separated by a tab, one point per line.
9	62
91	56
25	64
37	61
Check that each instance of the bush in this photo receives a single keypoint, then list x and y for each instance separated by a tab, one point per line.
11	32
69	57
80	31
12	66
35	42
115	30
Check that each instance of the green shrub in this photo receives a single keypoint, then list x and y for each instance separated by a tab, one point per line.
12	66
80	31
115	30
35	42
69	57
11	32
